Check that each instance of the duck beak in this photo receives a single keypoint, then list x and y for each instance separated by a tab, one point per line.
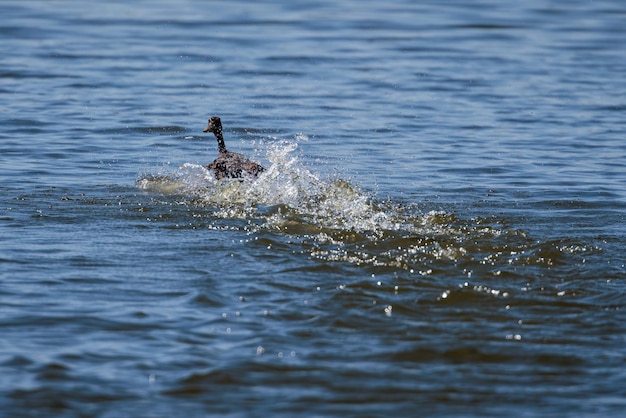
207	129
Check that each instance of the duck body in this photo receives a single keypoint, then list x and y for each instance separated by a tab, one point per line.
229	164
233	165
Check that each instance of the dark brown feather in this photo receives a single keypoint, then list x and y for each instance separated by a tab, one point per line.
234	165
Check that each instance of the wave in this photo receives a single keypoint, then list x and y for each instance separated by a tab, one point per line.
334	220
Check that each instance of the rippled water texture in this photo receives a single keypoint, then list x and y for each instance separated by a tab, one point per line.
439	230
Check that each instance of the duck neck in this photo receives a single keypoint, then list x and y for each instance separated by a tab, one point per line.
221	147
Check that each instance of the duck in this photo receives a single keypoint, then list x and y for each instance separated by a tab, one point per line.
230	164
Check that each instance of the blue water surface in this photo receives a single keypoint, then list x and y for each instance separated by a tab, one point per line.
439	230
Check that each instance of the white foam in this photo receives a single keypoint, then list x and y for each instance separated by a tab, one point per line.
289	196
286	182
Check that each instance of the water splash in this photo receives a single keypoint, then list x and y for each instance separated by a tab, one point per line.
334	220
287	193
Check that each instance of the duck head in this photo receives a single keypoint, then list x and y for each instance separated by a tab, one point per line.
215	125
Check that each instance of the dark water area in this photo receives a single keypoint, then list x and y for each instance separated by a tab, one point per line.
439	230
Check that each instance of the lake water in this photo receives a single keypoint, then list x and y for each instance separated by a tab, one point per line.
439	230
